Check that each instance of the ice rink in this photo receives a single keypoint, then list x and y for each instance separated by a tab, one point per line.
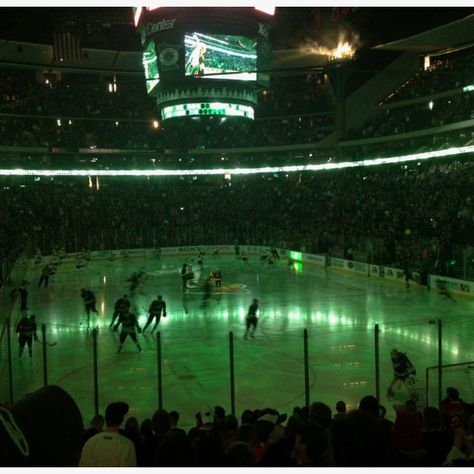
339	310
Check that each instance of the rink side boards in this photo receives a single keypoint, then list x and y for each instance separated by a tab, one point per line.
388	274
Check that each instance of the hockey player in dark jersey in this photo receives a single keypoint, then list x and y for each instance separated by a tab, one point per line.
184	271
207	287
46	272
137	279
26	330
130	325
156	309
404	374
251	320
408	275
88	298
187	275
23	295
122	305
442	286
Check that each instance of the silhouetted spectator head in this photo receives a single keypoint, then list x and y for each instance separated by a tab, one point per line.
247	433
357	439
44	429
369	404
341	407
160	421
263	428
272	415
247	416
174	450
231	423
453	394
115	413
132	425
207	415
320	413
174	418
97	422
219	413
146	428
240	454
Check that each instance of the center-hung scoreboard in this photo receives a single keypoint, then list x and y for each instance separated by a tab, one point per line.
205	61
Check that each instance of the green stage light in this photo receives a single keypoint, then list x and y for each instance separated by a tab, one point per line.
244	171
296	255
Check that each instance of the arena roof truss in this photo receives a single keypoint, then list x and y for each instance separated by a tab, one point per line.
445	39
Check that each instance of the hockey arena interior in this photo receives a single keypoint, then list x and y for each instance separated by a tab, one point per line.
237	237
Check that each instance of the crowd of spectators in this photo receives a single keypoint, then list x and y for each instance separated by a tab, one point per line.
444	73
80	112
77	113
420	116
401	210
309	437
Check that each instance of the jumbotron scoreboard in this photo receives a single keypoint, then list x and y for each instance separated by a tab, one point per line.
205	61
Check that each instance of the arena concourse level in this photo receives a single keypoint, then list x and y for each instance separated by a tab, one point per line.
285	197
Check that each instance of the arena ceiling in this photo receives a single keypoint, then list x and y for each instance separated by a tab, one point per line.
112	44
443	39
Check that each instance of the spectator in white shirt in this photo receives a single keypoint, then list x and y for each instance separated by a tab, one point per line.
110	448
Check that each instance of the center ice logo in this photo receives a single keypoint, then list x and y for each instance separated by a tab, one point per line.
229	288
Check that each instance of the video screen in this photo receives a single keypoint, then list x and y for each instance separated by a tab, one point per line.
220	56
150	64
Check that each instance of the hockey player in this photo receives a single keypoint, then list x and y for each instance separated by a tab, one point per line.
251	320
403	374
26	330
443	289
157	307
137	279
207	292
408	275
81	263
23	295
184	271
88	298
45	274
187	275
130	325
217	277
121	306
38	257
